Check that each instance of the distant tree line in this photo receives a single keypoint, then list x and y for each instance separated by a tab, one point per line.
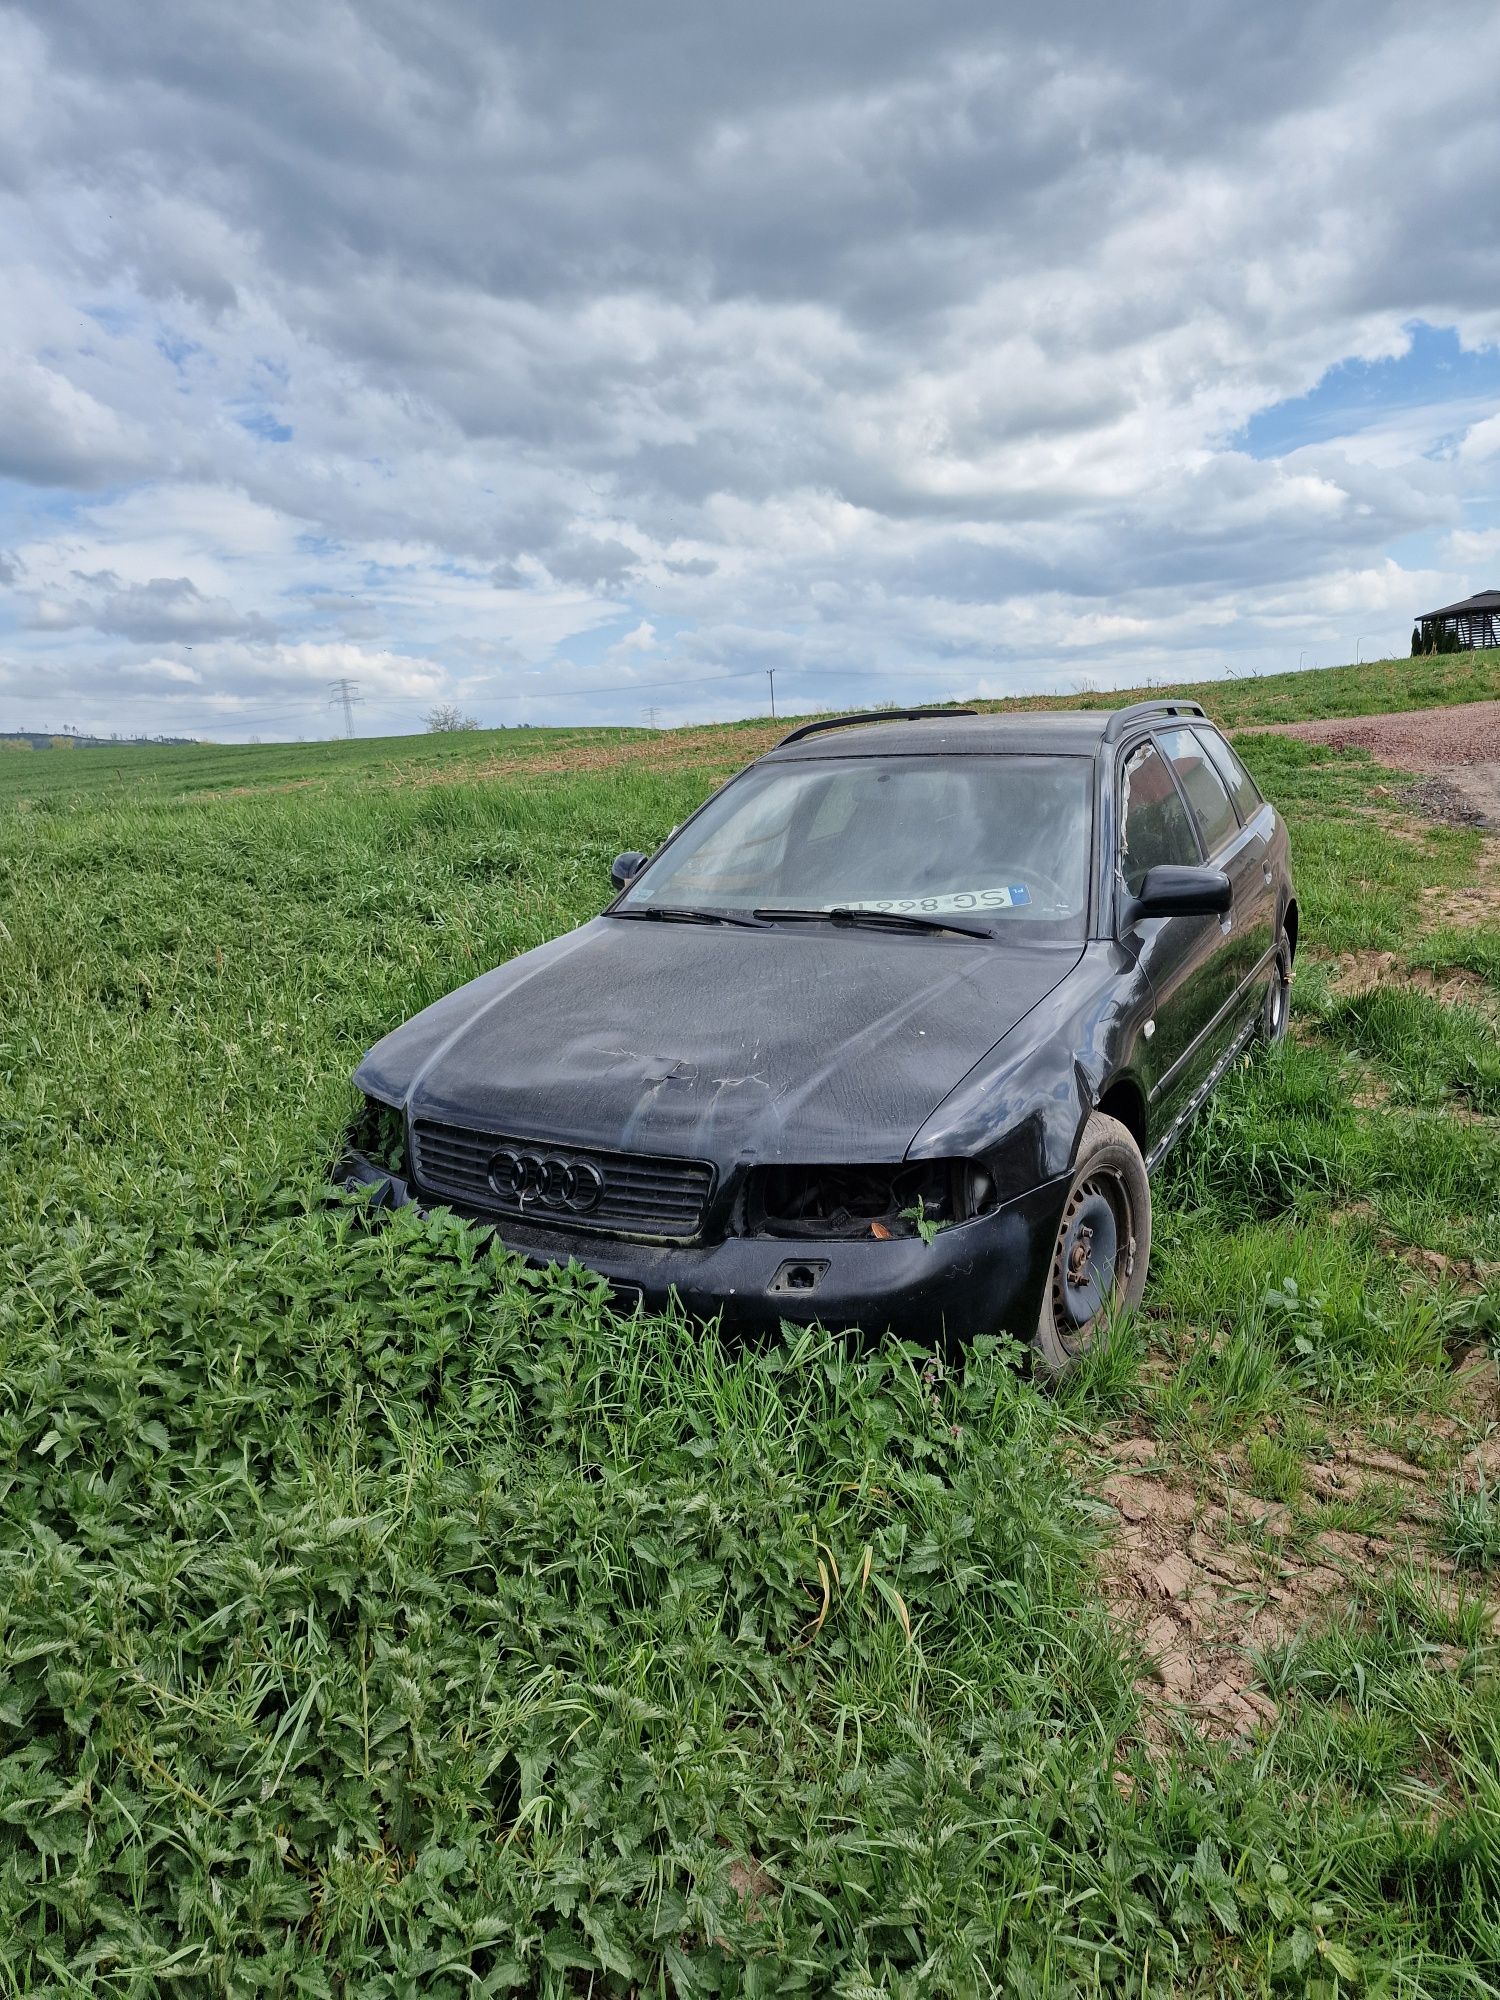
69	739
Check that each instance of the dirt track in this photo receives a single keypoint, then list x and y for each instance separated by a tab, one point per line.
1460	745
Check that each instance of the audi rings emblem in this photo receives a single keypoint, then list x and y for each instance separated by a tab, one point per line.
545	1180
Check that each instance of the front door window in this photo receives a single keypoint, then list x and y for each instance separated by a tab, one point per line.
1155	825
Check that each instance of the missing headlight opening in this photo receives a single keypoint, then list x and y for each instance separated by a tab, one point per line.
873	1201
379	1133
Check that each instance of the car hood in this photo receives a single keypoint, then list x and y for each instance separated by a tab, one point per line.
796	1044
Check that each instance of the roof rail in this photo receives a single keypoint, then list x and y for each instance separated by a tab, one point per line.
871	715
1121	719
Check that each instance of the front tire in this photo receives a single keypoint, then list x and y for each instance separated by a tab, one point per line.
1103	1246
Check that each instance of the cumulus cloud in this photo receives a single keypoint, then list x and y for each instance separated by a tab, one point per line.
905	350
1471	550
55	433
1482	440
166	607
596	561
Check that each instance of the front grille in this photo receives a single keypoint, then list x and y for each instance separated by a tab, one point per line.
640	1193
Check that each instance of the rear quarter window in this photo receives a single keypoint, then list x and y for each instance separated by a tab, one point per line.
1208	796
1242	786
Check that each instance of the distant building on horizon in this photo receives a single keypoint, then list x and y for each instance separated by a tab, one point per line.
1467	627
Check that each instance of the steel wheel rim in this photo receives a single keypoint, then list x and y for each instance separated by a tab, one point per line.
1281	994
1095	1253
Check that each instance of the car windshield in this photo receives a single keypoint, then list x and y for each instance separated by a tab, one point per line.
1004	840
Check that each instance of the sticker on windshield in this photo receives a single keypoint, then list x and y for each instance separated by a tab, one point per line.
1009	896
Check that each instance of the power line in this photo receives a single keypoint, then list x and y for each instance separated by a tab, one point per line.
679	683
347	692
250	714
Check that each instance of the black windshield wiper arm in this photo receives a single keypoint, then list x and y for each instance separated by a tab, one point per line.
888	920
675	913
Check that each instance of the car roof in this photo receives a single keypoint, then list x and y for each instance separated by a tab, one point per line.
1043	732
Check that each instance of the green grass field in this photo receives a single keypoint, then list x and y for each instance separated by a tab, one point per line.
377	1618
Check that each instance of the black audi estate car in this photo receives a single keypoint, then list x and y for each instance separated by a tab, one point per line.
890	1033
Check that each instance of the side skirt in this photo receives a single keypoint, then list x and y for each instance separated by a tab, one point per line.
1200	1097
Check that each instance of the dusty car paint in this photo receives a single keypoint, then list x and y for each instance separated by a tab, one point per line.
815	1046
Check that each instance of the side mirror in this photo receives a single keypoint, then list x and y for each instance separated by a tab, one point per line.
625	867
1173	891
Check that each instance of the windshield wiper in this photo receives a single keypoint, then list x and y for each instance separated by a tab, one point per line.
675	913
885	920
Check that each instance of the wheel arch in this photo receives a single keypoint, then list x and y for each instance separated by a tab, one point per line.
1123	1098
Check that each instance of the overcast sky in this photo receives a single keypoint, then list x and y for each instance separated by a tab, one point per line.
574	361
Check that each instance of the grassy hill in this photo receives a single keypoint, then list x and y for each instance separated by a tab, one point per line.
379	1618
125	769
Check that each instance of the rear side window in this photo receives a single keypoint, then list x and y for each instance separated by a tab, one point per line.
1154	821
1213	809
1233	772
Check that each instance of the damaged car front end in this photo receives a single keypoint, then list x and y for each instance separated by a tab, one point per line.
868	1042
917	1247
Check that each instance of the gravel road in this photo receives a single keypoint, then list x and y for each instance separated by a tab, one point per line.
1460	744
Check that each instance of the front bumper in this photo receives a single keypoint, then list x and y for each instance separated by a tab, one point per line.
975	1277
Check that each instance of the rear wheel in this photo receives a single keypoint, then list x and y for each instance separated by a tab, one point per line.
1103	1246
1276	1008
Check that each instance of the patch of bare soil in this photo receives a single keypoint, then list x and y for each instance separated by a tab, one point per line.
1356	972
1208	1575
1463	1274
1481	786
1479	1384
1439	798
1477	902
752	1884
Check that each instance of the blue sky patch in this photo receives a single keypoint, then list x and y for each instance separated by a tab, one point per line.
1435	369
264	424
114	319
176	347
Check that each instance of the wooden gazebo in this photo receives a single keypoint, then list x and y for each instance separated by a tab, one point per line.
1461	628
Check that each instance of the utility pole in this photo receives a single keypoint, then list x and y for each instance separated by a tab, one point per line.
651	715
771	676
347	692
